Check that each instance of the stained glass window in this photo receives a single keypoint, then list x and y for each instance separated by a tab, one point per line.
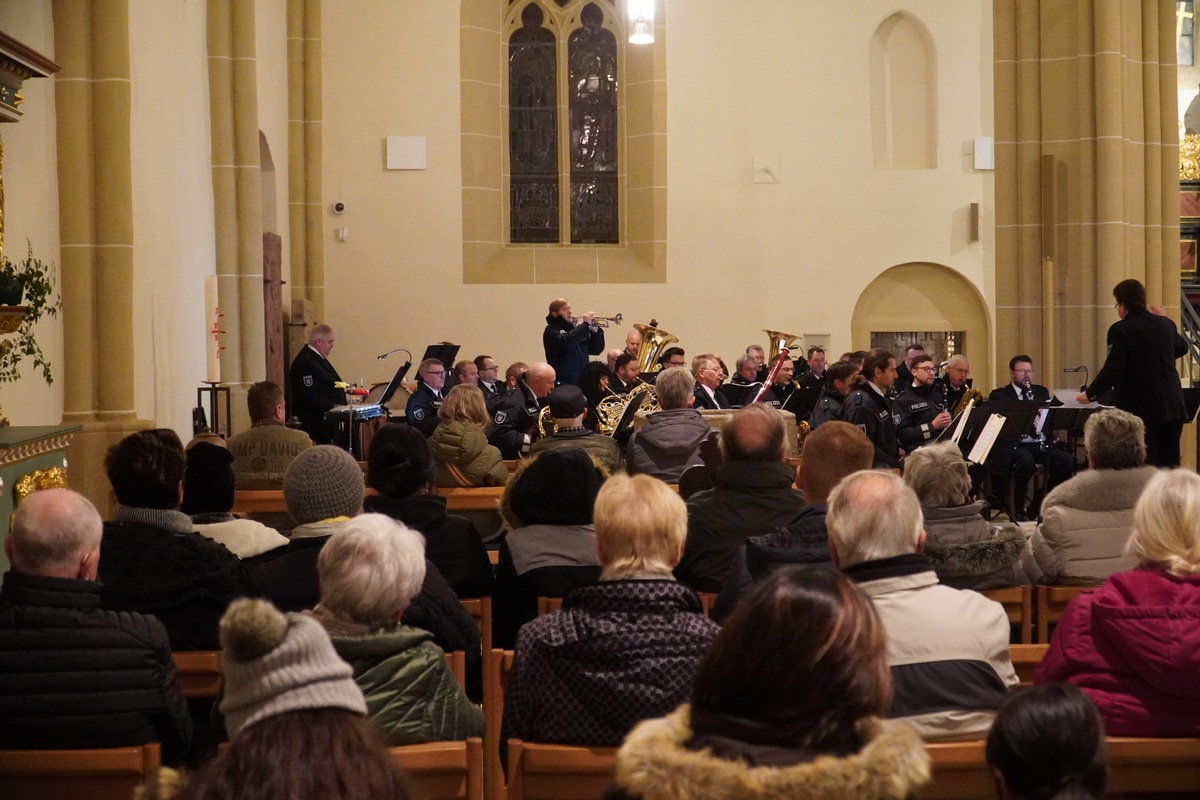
538	172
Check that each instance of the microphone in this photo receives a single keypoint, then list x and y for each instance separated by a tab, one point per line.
397	350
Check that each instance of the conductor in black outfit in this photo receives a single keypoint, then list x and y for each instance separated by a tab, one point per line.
312	380
1140	368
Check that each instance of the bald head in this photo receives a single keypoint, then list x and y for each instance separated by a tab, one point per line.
540	379
873	515
55	533
754	433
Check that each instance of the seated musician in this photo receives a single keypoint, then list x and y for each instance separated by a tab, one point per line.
515	416
706	369
421	412
814	372
486	369
626	374
841	377
956	381
920	407
870	408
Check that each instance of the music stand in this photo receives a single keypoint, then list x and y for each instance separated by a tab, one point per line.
739	394
395	383
631	409
444	352
802	401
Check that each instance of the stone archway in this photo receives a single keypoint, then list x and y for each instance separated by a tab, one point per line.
926	296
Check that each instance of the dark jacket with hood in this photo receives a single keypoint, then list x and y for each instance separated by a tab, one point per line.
748	498
667	444
968	553
805	540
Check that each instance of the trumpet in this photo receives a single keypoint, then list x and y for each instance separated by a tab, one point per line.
604	322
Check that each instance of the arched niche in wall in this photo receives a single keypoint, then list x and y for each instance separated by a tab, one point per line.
904	108
270	214
920	296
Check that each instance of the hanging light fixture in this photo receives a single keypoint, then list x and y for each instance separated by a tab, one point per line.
641	21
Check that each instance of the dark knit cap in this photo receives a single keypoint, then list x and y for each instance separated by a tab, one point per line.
558	487
321	483
567	401
208	480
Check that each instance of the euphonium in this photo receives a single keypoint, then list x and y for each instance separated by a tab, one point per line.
971	394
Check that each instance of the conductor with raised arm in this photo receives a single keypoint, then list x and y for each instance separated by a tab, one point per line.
1140	368
569	344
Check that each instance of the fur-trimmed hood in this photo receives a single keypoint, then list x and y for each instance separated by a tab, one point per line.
1101	489
980	557
653	764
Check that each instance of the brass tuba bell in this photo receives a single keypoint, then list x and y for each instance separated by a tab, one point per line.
654	342
780	341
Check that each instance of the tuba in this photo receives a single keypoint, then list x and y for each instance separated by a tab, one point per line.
654	342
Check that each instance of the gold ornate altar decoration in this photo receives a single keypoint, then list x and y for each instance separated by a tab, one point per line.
51	478
1189	157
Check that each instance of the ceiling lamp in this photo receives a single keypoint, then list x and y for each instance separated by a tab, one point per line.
641	21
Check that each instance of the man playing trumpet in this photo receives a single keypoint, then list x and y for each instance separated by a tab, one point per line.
569	343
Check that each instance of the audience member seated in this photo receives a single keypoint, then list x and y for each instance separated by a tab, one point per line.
948	649
1048	742
670	440
464	457
568	407
208	489
400	467
786	703
261	455
153	561
838	450
752	494
1086	521
1133	645
620	650
550	547
296	720
965	550
370	570
324	489
73	674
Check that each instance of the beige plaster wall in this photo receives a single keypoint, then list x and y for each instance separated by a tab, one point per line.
271	44
31	209
793	85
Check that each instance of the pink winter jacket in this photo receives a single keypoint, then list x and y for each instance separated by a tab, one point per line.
1134	647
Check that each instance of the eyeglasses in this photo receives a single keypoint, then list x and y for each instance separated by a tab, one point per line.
923	369
674	363
433	374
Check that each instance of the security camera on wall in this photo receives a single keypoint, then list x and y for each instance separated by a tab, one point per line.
339	207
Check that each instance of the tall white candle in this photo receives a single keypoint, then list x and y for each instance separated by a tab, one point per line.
213	333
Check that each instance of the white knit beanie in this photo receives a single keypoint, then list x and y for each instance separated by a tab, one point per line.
274	664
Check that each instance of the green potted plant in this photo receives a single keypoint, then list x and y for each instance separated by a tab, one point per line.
36	279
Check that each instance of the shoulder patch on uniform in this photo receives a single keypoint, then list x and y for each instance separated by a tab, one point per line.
418	413
308	380
884	414
499	417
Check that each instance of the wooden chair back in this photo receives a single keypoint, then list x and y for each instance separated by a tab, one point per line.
958	770
558	772
108	774
694	479
247	502
496	666
707	601
456	660
1018	605
444	770
199	672
1051	603
471	498
1025	658
548	605
480	610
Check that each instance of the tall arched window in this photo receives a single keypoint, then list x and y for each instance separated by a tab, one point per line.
553	189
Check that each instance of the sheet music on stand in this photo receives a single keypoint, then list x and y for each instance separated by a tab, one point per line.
961	425
987	437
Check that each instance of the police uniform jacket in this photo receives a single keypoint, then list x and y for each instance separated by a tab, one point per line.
568	347
422	409
512	420
873	413
312	380
492	394
810	378
829	406
915	409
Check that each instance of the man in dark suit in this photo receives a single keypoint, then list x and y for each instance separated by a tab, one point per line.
1140	368
707	370
1016	459
313	380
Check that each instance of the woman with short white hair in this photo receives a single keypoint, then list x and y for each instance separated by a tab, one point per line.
1086	521
621	650
370	570
965	550
1133	645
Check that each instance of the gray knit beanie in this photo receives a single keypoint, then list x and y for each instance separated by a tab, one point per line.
323	482
274	664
